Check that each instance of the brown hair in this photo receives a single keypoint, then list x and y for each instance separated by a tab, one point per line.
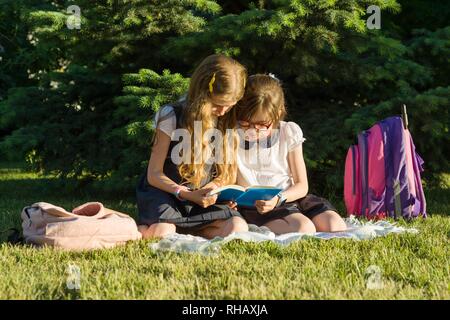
263	93
216	76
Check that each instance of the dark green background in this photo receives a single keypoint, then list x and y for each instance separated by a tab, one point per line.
79	103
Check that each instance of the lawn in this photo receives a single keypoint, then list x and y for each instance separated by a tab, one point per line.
412	266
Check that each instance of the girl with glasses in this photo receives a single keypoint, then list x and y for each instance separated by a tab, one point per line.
271	154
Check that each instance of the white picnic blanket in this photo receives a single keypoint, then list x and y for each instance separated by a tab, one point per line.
356	230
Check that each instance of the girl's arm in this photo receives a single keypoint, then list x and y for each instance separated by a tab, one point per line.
155	174
214	184
158	179
298	169
300	187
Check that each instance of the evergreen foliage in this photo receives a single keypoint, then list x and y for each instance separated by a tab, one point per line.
80	102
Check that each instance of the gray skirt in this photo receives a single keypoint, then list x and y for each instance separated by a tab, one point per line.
155	205
310	206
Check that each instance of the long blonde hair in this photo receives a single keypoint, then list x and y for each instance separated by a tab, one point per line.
218	76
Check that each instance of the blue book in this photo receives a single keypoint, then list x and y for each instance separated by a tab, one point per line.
245	197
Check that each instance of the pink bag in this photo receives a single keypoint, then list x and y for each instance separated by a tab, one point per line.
382	173
357	163
352	187
89	226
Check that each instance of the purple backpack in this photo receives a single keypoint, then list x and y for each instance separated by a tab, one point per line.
382	173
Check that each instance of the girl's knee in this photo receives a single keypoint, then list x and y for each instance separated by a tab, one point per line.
337	224
307	226
237	224
157	230
300	223
329	221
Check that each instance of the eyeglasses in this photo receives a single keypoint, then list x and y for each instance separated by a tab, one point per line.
258	126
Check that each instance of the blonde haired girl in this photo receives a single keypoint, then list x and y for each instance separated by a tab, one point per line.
173	198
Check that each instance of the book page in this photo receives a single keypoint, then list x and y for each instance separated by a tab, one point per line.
231	186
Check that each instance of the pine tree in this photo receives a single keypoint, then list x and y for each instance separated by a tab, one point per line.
79	102
336	71
144	93
67	116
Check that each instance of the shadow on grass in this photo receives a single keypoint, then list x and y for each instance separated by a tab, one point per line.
438	201
55	188
19	188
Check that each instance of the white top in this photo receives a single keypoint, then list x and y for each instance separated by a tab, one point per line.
269	166
166	120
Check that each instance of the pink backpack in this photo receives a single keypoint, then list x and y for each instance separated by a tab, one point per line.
89	226
382	173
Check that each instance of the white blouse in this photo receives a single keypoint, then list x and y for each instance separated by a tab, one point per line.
268	166
166	120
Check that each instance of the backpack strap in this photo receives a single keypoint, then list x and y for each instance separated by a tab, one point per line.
364	165
178	108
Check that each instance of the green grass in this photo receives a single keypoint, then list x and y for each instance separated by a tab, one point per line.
413	266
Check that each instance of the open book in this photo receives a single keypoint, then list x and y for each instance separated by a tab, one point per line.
245	197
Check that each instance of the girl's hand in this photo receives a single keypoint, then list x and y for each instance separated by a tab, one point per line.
232	205
264	206
200	197
211	185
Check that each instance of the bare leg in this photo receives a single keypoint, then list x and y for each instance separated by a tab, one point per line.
222	228
156	230
295	222
329	221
